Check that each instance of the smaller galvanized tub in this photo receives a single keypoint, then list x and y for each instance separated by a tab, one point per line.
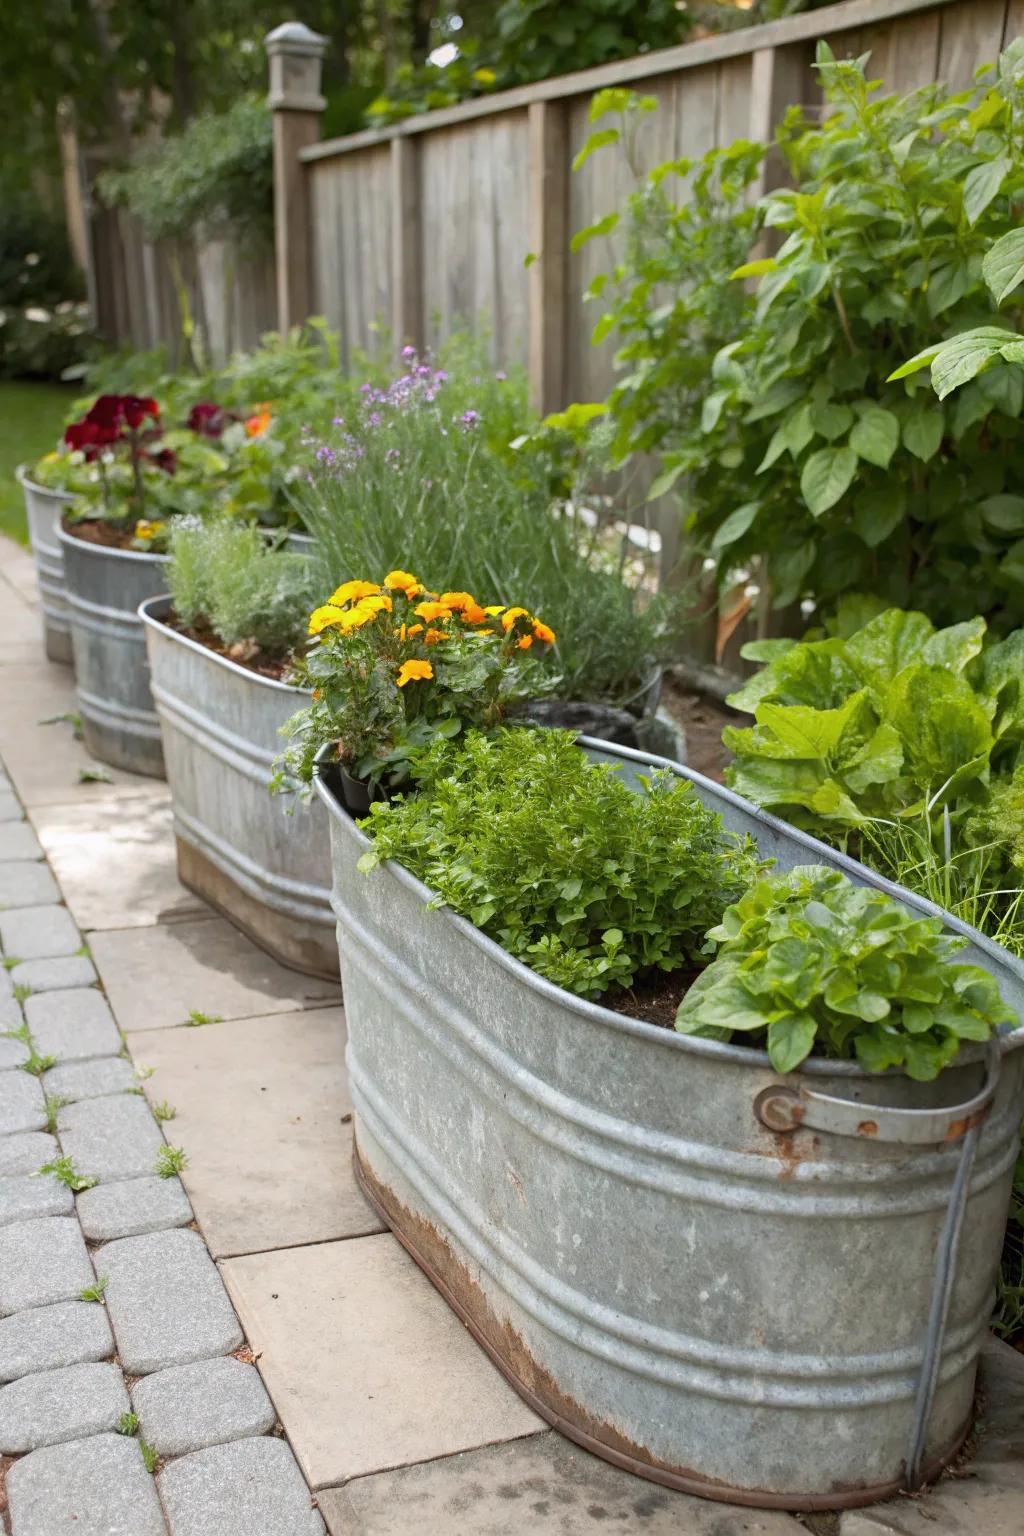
729	1282
264	860
104	589
43	511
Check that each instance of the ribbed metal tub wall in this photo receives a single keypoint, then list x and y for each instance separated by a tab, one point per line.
104	589
43	512
718	1307
262	859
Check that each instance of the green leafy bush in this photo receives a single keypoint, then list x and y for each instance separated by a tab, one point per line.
225	577
421	476
807	961
217	175
798	447
590	884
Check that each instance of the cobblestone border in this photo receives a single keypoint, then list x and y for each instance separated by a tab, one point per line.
129	1402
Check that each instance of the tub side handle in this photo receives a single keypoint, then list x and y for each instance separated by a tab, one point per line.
784	1108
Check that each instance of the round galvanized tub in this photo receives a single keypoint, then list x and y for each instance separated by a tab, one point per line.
104	589
722	1308
43	511
263	860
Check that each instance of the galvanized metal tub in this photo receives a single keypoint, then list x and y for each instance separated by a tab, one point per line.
43	511
262	860
104	589
717	1306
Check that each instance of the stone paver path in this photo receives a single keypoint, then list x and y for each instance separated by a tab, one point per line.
204	1330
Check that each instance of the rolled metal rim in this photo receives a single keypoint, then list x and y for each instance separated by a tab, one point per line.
741	1055
109	551
153	610
21	474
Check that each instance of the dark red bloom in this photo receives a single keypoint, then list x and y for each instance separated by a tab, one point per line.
166	459
137	407
107	413
208	418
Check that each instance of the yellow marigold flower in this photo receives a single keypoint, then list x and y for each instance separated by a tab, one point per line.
406	632
494	610
543	632
410	670
144	529
432	636
431	611
458	602
349	591
324	617
377	602
510	615
524	643
401	581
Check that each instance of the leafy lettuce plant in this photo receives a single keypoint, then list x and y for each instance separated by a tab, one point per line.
808	962
586	881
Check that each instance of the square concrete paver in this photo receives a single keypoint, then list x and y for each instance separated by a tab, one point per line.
367	1366
540	1486
43	761
154	977
282	1175
115	860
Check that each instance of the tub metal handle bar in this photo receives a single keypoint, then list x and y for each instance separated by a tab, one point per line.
783	1108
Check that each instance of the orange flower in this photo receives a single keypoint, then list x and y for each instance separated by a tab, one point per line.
510	615
401	581
458	602
543	632
431	611
324	617
525	643
432	636
411	670
474	614
260	420
406	633
350	590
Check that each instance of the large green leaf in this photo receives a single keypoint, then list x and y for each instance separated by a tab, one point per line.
943	725
876	435
826	477
734	526
890	642
794	731
790	1040
956	646
923	431
1003	266
878	512
982	185
773	783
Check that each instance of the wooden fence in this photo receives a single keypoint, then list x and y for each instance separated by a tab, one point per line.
425	227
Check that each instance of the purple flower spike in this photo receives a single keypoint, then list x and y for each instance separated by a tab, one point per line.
408	352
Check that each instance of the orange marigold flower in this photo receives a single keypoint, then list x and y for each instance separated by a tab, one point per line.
259	421
474	614
349	591
432	636
457	601
543	632
324	617
406	632
431	611
412	670
524	643
510	615
402	581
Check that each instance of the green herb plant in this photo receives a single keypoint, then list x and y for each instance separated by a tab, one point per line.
590	884
809	962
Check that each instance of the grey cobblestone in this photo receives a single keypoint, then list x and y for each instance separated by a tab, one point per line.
72	1025
92	1079
42	1261
24	1196
38	933
247	1488
24	1154
190	1407
52	975
18	841
65	1404
10	1009
44	1338
114	1137
26	885
132	1208
12	1053
22	1106
94	1487
10	808
166	1302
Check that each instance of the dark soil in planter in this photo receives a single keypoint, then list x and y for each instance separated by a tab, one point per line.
654	998
586	719
243	653
97	531
702	720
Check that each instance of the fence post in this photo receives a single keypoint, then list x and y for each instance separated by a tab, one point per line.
296	55
549	217
406	245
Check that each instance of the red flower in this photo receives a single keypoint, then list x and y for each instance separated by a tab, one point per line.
107	413
208	418
166	459
137	407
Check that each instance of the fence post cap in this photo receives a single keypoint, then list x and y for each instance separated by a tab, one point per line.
296	38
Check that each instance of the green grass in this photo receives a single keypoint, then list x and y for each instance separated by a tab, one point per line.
31	417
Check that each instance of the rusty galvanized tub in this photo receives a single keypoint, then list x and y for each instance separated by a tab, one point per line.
43	511
779	1317
263	860
104	589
